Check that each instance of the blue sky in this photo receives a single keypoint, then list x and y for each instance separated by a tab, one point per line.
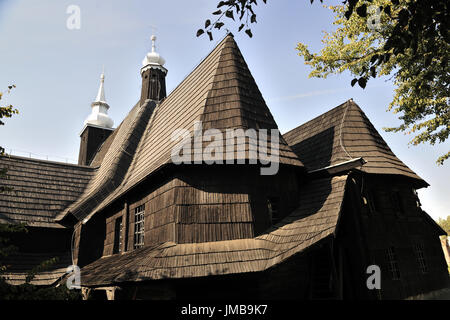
56	71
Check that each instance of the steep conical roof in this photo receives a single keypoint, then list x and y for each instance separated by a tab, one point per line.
220	92
341	134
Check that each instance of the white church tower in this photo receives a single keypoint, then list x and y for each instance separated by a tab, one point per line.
97	126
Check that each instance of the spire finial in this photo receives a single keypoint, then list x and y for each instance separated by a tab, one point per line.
101	90
99	114
153	59
153	38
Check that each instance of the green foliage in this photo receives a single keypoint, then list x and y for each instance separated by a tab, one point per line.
6	248
25	291
28	291
243	10
418	63
410	42
445	224
6	111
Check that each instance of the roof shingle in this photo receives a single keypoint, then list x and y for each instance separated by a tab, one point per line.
315	219
341	134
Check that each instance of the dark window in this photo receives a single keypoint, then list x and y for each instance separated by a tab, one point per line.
420	255
273	208
139	226
371	200
118	235
397	202
393	264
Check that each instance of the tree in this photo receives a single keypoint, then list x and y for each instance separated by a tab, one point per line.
5	247
6	112
408	39
420	74
445	224
25	291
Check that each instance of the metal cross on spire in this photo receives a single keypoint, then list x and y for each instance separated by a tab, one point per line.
153	37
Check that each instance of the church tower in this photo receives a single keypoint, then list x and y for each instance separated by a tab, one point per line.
153	76
97	127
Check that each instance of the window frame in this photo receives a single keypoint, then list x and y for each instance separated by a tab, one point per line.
392	260
272	202
118	235
419	249
139	226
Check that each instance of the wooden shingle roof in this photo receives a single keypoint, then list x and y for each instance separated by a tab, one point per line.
345	133
315	219
18	267
40	190
220	92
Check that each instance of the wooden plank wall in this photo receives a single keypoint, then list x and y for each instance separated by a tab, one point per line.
386	227
201	204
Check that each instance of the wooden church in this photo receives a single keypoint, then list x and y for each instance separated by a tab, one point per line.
143	227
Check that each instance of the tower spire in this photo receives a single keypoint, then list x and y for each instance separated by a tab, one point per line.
97	126
153	75
99	113
101	91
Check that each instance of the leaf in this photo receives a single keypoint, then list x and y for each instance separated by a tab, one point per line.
200	32
207	23
217	12
428	60
210	35
362	10
241	27
229	14
253	18
374	58
218	25
348	14
362	82
249	33
354	81
373	72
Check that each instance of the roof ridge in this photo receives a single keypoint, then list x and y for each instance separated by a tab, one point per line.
9	156
111	175
340	133
201	61
320	115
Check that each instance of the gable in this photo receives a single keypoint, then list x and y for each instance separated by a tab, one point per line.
220	92
342	134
